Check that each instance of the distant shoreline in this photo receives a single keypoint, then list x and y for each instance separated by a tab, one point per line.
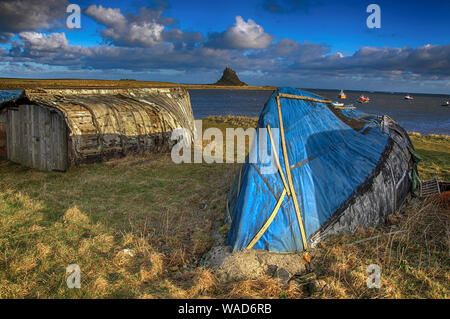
20	84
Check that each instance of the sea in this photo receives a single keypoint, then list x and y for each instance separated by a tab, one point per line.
425	114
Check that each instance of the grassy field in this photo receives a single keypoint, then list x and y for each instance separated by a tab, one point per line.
19	84
138	227
435	152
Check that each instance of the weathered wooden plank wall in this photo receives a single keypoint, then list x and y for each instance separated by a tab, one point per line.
37	137
3	153
3	119
11	135
58	141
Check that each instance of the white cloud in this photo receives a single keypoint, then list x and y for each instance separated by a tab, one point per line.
107	16
242	35
247	35
147	33
43	42
140	30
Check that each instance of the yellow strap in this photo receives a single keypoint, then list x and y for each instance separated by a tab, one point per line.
268	222
289	176
299	97
277	160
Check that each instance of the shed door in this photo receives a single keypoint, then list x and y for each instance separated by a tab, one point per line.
39	138
2	140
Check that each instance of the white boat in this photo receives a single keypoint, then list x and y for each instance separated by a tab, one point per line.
409	97
337	104
446	103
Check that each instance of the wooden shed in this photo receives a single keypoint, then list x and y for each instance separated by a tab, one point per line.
51	129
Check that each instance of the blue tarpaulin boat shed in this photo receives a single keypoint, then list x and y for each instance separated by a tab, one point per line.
338	169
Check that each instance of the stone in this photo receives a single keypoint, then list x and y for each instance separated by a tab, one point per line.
283	275
126	252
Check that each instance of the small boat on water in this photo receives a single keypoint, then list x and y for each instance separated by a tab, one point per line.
342	95
364	99
446	103
335	103
408	97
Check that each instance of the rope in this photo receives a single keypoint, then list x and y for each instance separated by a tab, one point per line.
375	237
230	220
239	183
394	189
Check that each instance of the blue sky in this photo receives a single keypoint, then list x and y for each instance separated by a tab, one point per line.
301	43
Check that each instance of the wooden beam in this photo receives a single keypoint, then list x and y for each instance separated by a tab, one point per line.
277	160
299	97
345	107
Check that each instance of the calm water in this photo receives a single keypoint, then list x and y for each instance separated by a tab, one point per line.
425	114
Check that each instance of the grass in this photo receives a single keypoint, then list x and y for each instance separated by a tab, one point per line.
161	211
138	227
412	250
435	152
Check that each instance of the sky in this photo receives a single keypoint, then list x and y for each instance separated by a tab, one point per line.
299	43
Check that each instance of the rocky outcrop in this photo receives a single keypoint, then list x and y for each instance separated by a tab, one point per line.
229	77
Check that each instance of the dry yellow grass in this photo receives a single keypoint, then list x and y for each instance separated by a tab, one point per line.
414	260
73	215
